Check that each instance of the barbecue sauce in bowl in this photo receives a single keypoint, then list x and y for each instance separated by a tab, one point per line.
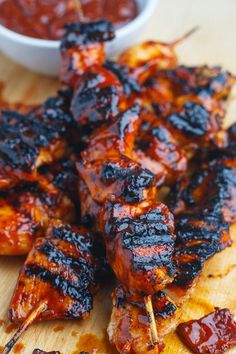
45	19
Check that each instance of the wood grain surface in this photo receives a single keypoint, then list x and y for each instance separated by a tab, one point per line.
214	43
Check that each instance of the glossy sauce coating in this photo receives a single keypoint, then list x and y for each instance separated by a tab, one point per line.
46	18
214	333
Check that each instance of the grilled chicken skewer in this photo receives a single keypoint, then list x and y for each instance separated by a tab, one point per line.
202	227
119	178
57	280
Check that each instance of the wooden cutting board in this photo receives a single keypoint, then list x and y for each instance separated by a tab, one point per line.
214	43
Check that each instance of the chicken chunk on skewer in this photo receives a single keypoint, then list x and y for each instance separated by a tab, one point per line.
59	271
139	245
82	47
32	140
26	211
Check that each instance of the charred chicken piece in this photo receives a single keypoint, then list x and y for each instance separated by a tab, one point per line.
122	72
82	47
199	235
63	175
129	325
145	59
97	98
26	211
159	151
202	82
60	271
139	246
115	138
195	126
26	143
116	178
212	188
203	215
192	99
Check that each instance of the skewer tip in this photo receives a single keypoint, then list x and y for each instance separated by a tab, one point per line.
150	313
79	9
41	307
185	36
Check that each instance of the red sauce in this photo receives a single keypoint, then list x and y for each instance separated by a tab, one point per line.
2	322
74	333
12	327
18	348
89	343
45	18
212	334
58	328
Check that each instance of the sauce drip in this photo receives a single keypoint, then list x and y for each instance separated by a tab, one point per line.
212	334
18	348
2	322
89	343
45	19
12	327
58	328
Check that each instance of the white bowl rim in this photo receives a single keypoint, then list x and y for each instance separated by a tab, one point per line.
48	43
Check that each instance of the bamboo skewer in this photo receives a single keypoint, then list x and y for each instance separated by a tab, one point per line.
41	307
79	9
185	36
153	327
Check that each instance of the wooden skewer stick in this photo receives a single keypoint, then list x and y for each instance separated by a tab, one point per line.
153	327
185	36
42	306
79	9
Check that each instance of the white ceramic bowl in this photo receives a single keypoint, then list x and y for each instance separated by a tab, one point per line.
43	56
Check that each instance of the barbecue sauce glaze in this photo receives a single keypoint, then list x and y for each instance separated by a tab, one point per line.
45	19
212	334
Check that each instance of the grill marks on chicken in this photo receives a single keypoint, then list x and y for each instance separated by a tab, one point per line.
32	140
180	115
97	98
157	149
59	270
205	209
130	85
135	124
139	239
189	101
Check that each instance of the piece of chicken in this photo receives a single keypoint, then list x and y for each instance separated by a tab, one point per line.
63	175
114	138
29	141
145	59
158	150
213	187
82	47
116	178
26	211
192	100
139	242
60	272
129	328
98	98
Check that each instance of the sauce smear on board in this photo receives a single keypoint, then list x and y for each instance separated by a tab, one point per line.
212	334
45	19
